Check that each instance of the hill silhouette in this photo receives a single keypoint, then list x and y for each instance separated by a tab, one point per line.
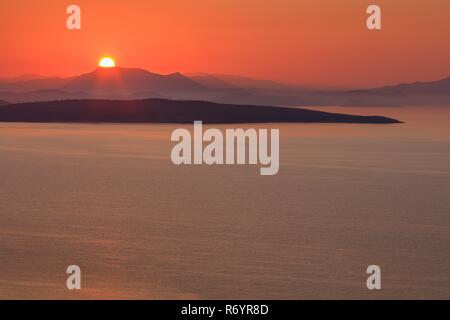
128	81
168	111
134	83
413	94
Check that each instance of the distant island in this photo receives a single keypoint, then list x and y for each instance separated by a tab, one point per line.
121	83
169	111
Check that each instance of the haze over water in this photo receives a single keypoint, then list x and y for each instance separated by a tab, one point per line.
108	198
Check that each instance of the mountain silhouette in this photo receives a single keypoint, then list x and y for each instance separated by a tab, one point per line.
411	94
50	83
211	81
129	81
168	111
134	83
434	87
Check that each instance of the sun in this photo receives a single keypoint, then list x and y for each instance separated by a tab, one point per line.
107	62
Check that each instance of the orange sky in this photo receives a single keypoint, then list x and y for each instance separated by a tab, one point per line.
320	42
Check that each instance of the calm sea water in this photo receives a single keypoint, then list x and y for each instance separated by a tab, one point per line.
107	198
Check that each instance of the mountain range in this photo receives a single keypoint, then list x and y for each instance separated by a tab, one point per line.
134	84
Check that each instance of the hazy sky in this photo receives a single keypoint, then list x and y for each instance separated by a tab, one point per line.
320	42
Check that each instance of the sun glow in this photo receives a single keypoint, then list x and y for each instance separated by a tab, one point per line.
107	62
